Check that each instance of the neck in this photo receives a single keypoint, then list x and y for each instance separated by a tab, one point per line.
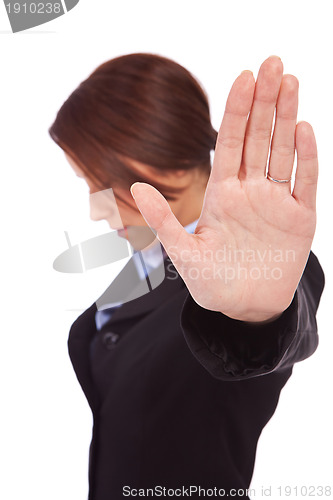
190	206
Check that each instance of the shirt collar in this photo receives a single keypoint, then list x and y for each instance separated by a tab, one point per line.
153	256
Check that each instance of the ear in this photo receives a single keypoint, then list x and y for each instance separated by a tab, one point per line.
180	173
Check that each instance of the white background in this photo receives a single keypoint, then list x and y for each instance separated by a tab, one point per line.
45	420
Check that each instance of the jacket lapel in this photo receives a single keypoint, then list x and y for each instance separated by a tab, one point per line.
140	296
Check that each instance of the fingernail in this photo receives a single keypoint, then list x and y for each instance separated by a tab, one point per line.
246	71
131	188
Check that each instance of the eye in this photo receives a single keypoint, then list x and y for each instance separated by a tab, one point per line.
79	175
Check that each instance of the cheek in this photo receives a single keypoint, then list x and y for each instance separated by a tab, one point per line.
129	212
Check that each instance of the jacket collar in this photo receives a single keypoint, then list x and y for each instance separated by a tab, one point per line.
139	296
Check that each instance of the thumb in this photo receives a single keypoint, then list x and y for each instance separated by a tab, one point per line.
158	215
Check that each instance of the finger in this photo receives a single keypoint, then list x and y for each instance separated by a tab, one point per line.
230	139
283	141
259	127
306	178
158	215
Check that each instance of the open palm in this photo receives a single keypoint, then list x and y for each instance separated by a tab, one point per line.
254	235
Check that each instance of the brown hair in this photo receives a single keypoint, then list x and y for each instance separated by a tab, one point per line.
143	107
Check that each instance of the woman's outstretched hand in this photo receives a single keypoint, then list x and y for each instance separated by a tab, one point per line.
254	235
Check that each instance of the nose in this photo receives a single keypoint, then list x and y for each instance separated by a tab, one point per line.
103	206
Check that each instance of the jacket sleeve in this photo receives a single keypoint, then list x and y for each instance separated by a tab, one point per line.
80	335
234	350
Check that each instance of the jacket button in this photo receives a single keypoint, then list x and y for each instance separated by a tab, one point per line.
110	339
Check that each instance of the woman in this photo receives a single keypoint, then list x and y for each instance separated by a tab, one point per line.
181	380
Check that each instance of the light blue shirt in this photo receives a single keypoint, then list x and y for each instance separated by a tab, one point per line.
153	258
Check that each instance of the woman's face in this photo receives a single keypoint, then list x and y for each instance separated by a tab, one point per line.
107	205
125	217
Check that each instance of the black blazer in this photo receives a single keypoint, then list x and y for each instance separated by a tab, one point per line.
180	394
